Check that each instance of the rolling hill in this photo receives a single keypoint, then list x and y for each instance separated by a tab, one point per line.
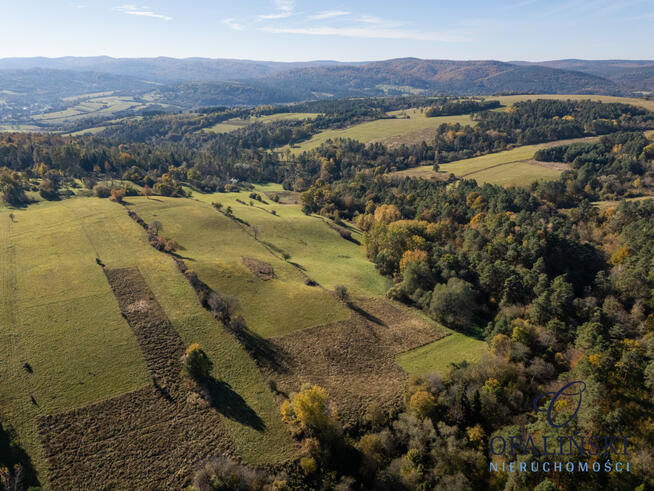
632	74
30	87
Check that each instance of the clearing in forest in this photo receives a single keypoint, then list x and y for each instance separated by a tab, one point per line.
515	167
406	126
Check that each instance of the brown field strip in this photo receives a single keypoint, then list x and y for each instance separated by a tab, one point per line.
354	359
150	438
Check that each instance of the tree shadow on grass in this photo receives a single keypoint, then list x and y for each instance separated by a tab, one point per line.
232	405
365	314
12	455
264	351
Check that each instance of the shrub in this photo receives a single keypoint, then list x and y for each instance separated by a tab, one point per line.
101	191
196	362
117	195
346	234
221	305
171	245
224	474
48	189
12	187
341	292
308	465
146	191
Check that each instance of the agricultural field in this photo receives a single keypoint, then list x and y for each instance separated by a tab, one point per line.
218	249
67	345
97	106
513	167
407	126
436	357
312	244
507	100
238	123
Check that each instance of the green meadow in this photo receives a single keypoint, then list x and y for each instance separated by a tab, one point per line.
514	167
311	243
63	321
507	100
436	357
238	123
405	124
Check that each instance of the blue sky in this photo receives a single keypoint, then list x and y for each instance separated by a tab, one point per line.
290	30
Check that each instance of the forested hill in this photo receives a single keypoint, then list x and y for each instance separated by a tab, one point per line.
440	76
42	92
634	74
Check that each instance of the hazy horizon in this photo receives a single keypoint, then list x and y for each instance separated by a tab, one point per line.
288	30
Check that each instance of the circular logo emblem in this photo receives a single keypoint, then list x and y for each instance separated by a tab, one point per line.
570	390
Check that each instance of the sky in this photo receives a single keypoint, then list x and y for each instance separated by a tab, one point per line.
298	30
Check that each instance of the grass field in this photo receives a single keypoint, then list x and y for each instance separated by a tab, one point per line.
608	204
63	320
437	356
324	255
237	123
510	167
510	99
397	130
216	247
96	106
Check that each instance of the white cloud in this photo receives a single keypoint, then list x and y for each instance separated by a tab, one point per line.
141	11
234	25
371	33
371	19
284	9
286	5
279	15
328	14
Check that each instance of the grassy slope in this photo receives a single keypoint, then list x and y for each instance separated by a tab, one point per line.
510	167
59	315
415	129
237	123
69	328
436	357
326	256
100	106
381	129
216	246
510	99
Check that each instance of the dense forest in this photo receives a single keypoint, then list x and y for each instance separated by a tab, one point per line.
560	289
174	145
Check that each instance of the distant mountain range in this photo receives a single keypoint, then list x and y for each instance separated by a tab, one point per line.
32	85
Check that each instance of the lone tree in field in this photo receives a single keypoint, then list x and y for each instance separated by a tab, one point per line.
341	293
196	362
156	227
146	191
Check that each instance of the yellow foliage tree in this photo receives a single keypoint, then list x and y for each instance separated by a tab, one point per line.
309	408
422	403
387	213
413	256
